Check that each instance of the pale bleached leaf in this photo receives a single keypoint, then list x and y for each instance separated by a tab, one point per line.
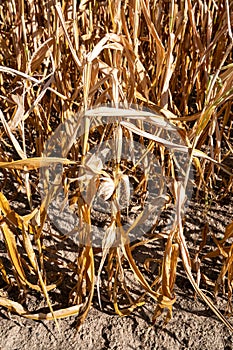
106	188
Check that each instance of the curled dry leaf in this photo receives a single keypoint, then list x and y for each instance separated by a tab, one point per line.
106	188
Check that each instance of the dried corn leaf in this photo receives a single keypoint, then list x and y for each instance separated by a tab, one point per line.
34	163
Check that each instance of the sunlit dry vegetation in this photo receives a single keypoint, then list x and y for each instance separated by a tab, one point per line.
59	59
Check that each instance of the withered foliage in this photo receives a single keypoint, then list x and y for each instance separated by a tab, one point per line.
60	58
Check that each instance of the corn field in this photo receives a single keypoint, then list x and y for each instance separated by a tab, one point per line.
150	68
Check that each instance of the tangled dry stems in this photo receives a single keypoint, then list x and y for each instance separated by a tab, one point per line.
60	58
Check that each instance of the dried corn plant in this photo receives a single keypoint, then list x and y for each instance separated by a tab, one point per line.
59	60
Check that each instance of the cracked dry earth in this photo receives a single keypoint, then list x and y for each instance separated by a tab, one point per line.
193	325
